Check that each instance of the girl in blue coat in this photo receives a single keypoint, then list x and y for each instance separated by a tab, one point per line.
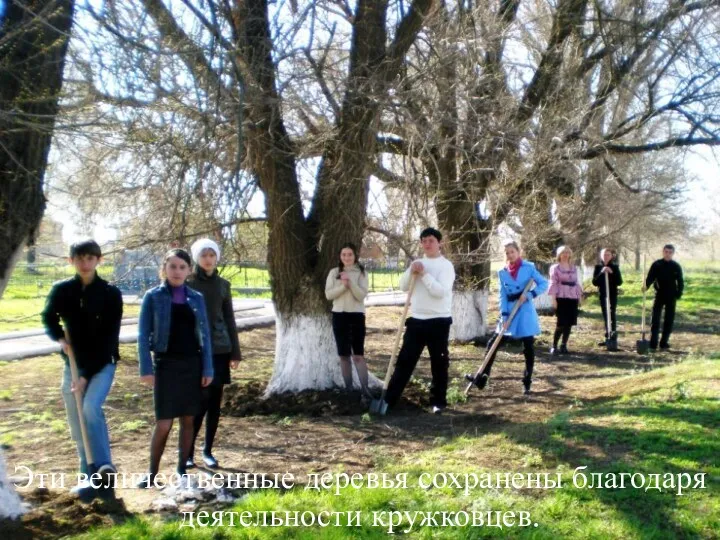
526	324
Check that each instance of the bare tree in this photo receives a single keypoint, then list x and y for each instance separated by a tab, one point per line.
33	43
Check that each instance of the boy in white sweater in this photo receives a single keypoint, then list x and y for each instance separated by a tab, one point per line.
429	321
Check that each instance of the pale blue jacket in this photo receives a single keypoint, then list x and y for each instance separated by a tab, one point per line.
526	322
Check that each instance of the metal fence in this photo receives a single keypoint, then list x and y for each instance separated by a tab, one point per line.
246	277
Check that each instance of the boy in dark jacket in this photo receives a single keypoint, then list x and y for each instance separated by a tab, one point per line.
614	281
84	312
667	277
225	343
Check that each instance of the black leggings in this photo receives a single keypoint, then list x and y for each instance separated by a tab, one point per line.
528	351
563	331
212	399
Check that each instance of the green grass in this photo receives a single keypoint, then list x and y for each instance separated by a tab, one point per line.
661	422
697	311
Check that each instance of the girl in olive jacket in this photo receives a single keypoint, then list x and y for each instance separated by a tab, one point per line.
225	343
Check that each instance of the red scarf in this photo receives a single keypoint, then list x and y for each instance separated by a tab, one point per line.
513	268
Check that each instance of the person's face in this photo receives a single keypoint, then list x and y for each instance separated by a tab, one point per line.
511	254
347	256
208	260
176	271
668	254
430	245
85	265
607	256
565	256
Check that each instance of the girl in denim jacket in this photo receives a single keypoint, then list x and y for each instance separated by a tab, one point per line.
173	325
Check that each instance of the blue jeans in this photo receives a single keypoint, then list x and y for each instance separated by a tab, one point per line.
95	394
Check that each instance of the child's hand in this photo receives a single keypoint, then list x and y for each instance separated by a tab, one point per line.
206	381
79	386
234	364
148	380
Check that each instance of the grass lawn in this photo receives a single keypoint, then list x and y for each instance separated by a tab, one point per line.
664	421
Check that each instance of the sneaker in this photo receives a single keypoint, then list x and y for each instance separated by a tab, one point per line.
437	409
147	481
210	461
602	343
190	463
84	491
105	471
554	351
664	346
563	349
480	382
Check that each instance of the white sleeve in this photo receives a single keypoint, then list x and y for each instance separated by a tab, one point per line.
405	280
443	285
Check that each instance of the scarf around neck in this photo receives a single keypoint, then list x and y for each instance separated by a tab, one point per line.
513	268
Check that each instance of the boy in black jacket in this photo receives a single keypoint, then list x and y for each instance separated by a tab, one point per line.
667	277
614	281
84	312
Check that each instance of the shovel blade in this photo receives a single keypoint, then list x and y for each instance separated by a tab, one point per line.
378	406
643	346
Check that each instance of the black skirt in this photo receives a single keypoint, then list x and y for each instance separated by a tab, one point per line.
178	386
567	311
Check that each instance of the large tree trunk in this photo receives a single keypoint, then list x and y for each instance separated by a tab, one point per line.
33	44
302	250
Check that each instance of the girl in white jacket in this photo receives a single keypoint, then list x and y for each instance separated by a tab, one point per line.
347	286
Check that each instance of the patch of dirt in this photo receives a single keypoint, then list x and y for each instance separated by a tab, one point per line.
60	514
248	400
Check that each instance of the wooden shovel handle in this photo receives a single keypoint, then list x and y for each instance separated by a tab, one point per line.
396	345
79	401
497	341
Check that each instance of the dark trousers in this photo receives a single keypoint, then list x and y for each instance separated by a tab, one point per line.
613	316
434	334
669	305
528	351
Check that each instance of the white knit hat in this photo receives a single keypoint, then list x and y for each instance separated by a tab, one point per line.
204	243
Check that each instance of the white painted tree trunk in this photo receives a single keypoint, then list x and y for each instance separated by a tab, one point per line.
543	303
469	314
306	356
10	504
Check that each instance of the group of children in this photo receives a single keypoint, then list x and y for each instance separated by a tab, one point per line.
187	322
188	340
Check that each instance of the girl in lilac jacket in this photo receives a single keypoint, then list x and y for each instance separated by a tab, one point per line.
566	290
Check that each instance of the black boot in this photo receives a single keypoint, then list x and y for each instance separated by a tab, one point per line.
527	382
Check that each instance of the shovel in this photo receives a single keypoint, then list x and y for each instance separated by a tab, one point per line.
87	493
380	406
611	343
497	341
643	345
